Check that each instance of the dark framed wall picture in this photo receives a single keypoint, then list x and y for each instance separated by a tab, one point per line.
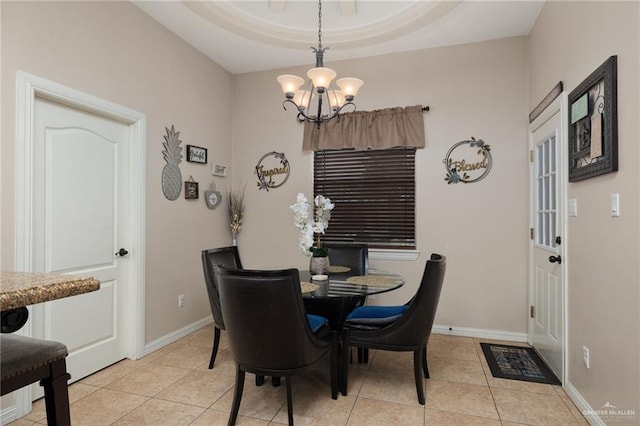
593	124
191	191
196	154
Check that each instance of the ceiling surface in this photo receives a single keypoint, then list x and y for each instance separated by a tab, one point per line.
255	35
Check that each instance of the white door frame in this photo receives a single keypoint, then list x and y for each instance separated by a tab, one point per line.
559	104
28	87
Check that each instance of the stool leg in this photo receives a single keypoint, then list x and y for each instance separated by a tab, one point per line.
56	394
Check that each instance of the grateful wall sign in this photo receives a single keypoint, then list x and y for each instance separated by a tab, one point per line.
468	161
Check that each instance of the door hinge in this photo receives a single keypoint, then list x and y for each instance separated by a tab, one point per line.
532	311
531	156
531	233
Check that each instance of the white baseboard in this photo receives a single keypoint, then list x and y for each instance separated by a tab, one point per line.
437	329
589	413
176	335
8	414
480	333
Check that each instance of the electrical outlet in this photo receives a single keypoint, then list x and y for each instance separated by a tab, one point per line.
585	356
181	301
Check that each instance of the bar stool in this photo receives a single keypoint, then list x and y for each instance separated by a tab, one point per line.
24	360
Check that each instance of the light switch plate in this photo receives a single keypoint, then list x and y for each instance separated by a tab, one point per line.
615	205
573	207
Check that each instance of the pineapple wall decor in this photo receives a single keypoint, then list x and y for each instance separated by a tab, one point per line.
171	175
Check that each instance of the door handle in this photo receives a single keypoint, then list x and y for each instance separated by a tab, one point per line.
556	259
122	252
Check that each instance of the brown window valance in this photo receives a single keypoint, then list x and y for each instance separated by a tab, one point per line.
361	130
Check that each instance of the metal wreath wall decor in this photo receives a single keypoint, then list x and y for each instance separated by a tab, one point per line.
460	169
272	170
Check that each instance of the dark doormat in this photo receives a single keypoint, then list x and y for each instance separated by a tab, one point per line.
517	363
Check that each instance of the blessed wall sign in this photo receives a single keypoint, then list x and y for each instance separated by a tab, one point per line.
468	161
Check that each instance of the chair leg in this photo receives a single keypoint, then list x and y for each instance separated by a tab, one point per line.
216	344
56	394
417	355
289	400
333	369
237	396
424	362
259	380
275	381
344	368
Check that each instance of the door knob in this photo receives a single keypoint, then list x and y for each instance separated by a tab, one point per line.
556	259
122	252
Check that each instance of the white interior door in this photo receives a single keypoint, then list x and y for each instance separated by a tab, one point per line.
548	267
80	220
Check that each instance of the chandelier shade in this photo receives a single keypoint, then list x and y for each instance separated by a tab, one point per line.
319	91
290	83
302	98
321	77
349	86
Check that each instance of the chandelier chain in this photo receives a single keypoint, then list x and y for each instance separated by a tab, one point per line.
320	24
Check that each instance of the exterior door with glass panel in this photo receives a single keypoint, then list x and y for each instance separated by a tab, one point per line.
547	275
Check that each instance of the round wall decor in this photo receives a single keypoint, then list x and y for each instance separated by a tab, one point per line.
272	170
468	161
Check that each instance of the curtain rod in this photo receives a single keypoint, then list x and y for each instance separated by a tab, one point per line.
425	108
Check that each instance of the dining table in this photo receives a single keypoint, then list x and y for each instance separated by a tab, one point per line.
336	294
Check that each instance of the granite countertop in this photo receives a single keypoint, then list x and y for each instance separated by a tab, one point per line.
18	289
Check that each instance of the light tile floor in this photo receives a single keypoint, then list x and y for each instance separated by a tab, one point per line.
173	386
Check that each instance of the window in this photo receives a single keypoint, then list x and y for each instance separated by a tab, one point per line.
546	211
374	196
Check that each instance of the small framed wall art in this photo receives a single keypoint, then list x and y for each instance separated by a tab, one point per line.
191	191
218	170
593	124
196	154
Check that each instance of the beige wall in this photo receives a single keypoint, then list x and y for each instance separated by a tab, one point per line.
473	90
568	42
116	52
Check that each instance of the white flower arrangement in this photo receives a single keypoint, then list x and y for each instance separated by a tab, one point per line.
314	225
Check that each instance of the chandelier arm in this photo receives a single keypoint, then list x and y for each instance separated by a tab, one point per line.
300	110
339	110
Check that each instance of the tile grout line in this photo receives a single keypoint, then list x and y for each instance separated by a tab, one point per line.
493	398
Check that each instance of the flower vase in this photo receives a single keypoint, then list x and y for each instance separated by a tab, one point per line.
234	238
319	265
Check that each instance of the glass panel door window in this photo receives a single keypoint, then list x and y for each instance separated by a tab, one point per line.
546	196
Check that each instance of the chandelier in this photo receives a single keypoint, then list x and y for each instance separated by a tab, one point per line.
319	94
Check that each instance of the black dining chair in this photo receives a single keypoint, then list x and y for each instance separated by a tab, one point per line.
356	258
353	256
407	329
223	256
269	331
